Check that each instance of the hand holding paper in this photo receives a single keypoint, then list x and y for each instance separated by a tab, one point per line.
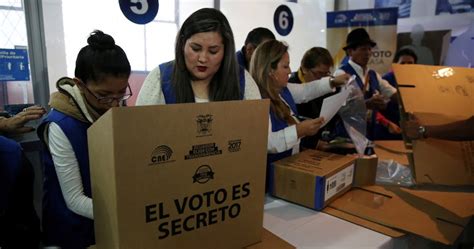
332	104
309	127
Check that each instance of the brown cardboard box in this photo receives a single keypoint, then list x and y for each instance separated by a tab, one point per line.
365	170
392	150
312	178
179	176
435	215
437	95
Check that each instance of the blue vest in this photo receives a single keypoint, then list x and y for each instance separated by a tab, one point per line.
19	224
278	124
166	71
241	58
373	86
61	226
10	159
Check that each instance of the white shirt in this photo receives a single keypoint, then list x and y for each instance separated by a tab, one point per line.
287	138
151	93
67	169
386	89
66	164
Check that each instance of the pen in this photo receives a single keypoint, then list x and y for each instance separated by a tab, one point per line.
301	118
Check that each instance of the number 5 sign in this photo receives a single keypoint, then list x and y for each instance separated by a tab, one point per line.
139	11
283	20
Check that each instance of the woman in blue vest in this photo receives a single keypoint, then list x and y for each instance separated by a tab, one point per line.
270	67
19	224
205	67
100	82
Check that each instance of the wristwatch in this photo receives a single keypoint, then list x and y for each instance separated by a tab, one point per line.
422	131
331	81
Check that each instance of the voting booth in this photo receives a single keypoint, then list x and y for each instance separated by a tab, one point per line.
179	176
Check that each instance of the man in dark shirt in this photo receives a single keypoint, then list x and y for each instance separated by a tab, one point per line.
315	64
254	38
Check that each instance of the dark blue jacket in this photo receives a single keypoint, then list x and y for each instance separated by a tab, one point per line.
61	226
241	58
19	224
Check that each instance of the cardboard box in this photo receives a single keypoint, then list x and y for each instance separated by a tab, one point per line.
392	150
269	241
365	170
179	176
437	95
435	215
312	178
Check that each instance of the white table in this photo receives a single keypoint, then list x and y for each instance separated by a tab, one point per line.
305	228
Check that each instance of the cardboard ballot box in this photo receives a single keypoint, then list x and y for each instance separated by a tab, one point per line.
436	215
312	178
438	95
179	176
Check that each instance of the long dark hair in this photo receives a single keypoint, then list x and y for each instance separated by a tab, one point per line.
225	83
102	57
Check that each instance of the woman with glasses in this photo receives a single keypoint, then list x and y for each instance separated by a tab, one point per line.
100	82
205	66
270	67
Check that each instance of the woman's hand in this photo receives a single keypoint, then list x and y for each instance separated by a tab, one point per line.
340	80
309	127
16	124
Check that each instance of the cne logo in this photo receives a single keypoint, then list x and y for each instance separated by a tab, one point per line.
161	154
203	174
204	125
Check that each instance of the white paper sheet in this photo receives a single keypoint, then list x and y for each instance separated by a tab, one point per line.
332	104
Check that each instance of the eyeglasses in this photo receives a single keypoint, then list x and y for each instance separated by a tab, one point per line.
109	99
321	74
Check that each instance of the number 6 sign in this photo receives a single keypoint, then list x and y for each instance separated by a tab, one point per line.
283	20
139	11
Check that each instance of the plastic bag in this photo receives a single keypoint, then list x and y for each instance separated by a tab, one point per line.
353	115
390	172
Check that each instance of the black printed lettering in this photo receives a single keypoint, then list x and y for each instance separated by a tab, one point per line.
235	192
201	220
234	210
195	205
246	189
180	207
212	216
175	227
186	227
220	196
164	230
150	212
